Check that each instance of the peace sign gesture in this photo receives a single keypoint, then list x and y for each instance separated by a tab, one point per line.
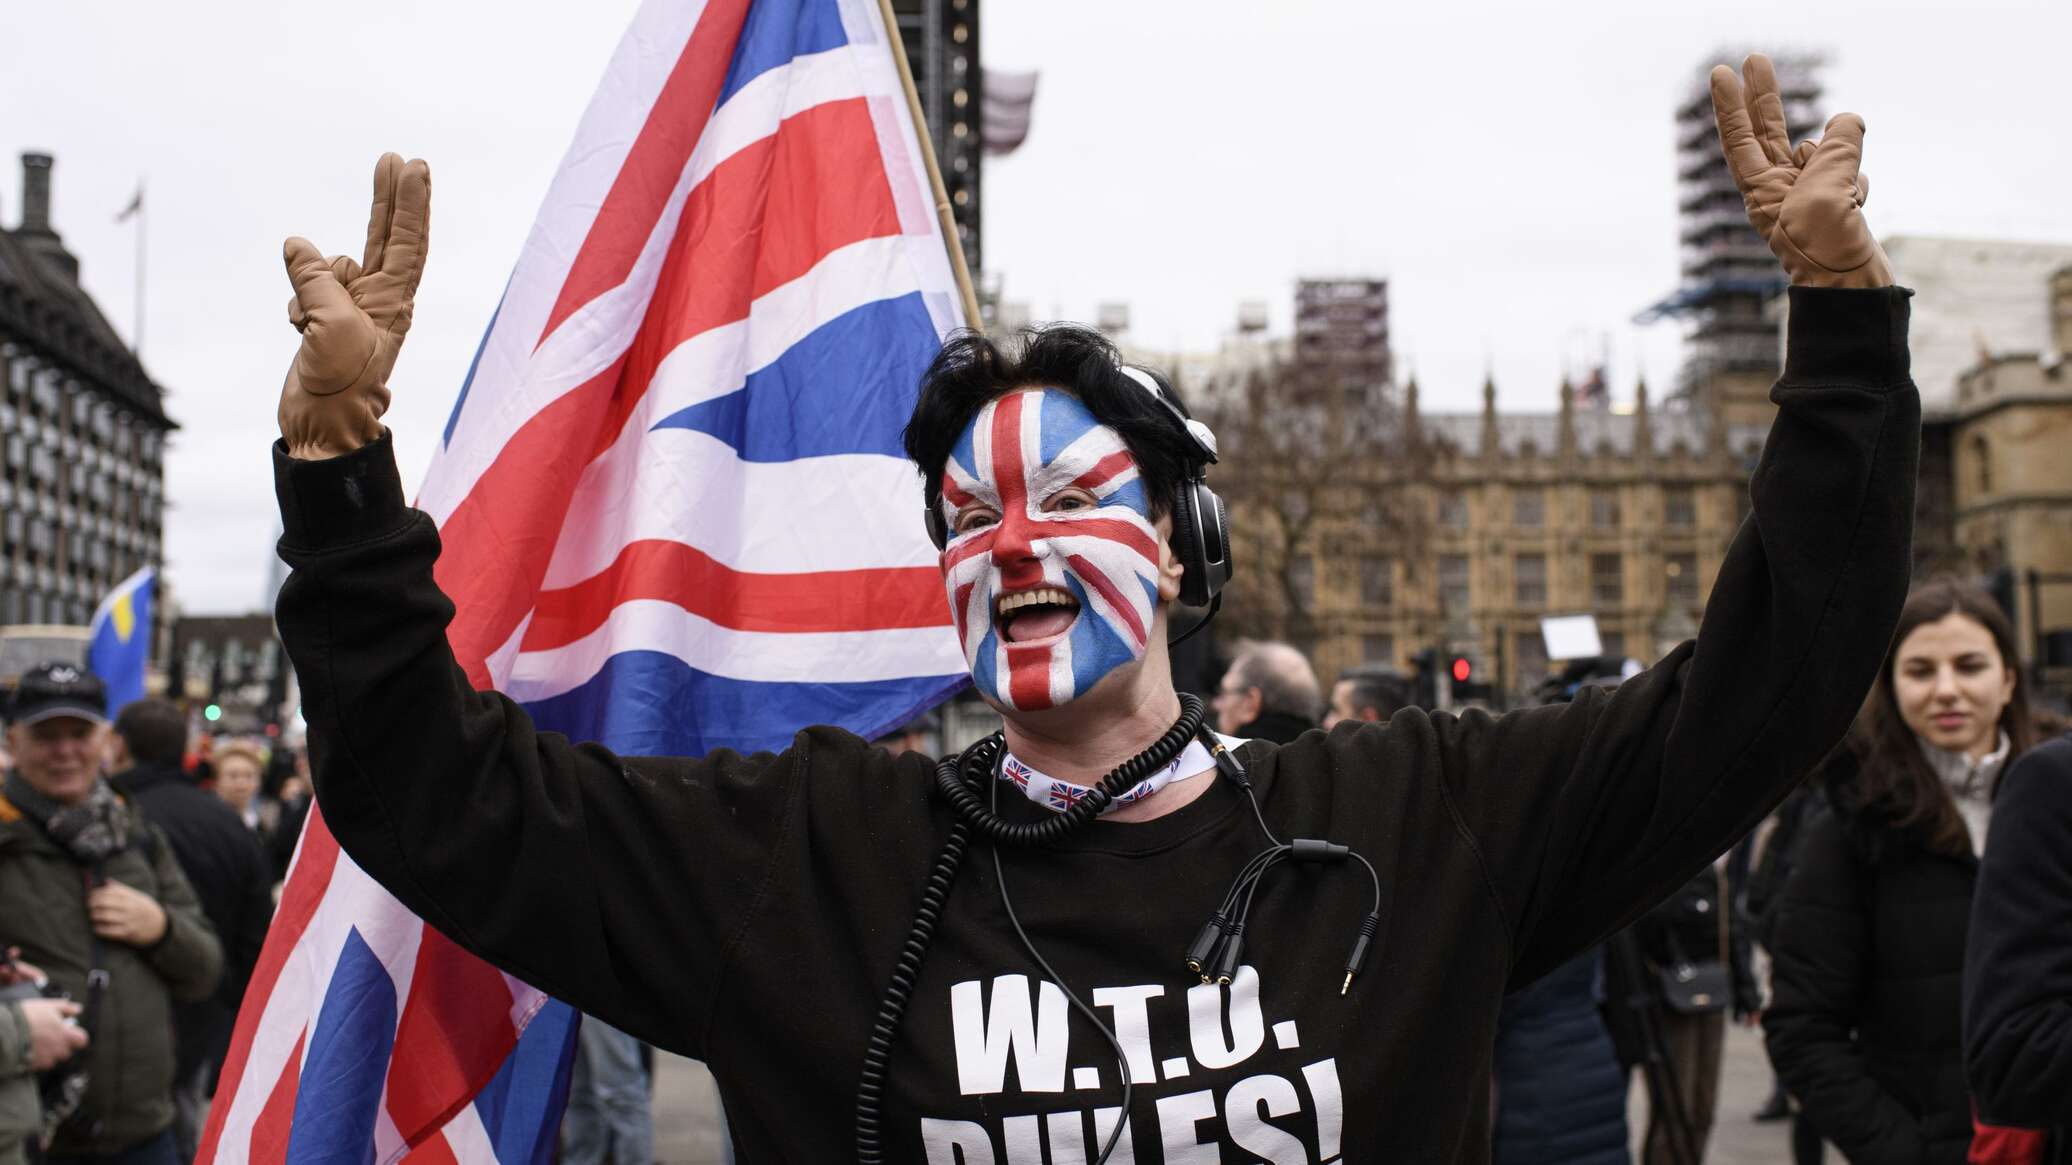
353	317
1806	203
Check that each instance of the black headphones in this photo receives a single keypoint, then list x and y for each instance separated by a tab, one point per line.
1201	527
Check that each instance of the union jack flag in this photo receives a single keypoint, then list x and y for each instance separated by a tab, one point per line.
1063	796
676	518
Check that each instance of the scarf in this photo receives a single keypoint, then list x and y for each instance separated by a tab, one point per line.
1060	795
1970	783
92	830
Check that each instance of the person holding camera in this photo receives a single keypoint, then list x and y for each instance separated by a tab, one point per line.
36	1034
92	895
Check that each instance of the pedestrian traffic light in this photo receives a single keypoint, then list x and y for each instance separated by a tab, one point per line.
1424	679
1465	688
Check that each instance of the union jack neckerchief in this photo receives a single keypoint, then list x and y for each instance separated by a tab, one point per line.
1059	795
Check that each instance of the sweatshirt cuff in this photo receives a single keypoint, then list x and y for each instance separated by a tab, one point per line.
339	500
1847	336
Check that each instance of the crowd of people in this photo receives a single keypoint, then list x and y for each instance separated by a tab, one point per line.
1542	910
1868	889
140	861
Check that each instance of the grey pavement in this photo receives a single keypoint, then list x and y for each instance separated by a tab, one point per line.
687	1128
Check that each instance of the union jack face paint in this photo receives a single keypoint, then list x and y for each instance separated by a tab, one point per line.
1044	503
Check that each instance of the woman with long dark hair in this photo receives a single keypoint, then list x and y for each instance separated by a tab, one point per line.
1865	1028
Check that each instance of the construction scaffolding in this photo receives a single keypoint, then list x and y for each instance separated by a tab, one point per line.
1728	274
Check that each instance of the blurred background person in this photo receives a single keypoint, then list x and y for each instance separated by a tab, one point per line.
240	770
609	1119
295	796
922	734
2018	955
1269	693
1774	849
36	1035
1370	691
231	878
1560	1092
94	897
1868	938
1673	978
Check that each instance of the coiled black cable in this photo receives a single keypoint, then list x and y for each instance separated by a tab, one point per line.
959	782
958	779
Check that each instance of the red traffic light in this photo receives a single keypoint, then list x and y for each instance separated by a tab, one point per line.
1462	669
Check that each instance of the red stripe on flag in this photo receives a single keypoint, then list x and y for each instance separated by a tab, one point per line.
436	1151
954	492
498	542
300	897
276	1120
829	600
454	1034
763	217
641	189
744	231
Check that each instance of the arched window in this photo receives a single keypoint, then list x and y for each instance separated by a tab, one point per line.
1984	452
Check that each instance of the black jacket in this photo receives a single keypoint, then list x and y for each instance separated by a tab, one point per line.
1772	870
2018	966
1278	727
749	910
1864	1029
1560	1090
232	880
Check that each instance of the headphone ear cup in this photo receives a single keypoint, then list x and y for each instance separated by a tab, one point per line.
1216	555
1187	545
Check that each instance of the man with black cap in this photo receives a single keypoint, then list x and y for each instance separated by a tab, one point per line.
92	895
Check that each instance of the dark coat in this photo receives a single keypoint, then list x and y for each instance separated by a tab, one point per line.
1864	1030
1772	869
130	1062
2018	974
1560	1093
1279	727
234	883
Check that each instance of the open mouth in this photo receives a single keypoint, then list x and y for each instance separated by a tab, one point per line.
1035	616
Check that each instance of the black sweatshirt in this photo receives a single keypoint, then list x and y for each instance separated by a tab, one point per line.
748	910
2018	960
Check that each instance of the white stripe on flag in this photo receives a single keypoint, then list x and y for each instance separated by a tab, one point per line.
761	517
516	383
831	657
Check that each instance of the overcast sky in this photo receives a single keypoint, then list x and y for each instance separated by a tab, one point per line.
1508	167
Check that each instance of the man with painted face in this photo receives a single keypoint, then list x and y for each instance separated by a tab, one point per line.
750	910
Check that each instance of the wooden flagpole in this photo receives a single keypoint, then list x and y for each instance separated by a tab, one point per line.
946	219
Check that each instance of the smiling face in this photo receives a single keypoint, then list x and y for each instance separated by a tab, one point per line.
59	757
1951	684
1053	563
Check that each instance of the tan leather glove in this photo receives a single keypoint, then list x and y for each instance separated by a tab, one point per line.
353	317
1806	203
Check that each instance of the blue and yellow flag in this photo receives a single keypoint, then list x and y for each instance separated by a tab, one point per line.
119	648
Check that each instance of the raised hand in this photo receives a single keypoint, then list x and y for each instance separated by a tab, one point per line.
353	317
1806	203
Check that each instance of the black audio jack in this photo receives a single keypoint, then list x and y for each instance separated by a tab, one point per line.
1218	947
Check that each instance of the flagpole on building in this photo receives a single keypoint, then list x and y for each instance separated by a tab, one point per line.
136	210
143	221
945	217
